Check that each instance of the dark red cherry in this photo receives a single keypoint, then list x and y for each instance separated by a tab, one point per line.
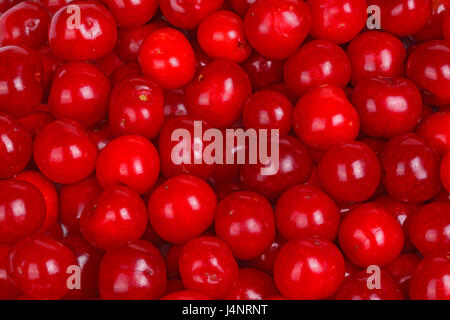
263	71
252	285
8	290
132	13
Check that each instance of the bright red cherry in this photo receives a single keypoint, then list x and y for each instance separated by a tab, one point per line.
431	280
305	211
317	62
410	169
132	13
221	36
268	109
40	267
309	269
252	285
334	122
435	129
433	28
182	208
36	121
402	269
427	67
387	107
218	93
428	228
20	65
22	208
338	21
80	92
133	271
207	265
263	71
356	288
167	57
136	106
370	235
25	24
15	146
61	145
186	295
130	160
90	36
276	28
376	53
7	289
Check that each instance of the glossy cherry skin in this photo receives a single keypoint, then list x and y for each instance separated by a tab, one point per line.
428	228
167	57
182	208
207	265
426	67
271	33
116	216
136	106
268	109
241	6
402	269
80	92
435	129
64	144
430	281
410	169
295	166
266	261
370	235
88	259
245	221
133	271
338	21
129	41
305	211
131	13
309	269
433	28
36	121
186	295
218	93
446	27
316	63
174	103
317	127
387	107
25	24
221	36
94	38
355	288
376	54
23	210
7	288
252	285
20	65
263	71
15	146
6	4
38	266
187	14
100	134
54	5
130	160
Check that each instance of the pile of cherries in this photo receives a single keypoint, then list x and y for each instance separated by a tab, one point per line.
95	204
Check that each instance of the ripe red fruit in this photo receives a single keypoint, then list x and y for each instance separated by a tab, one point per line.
252	285
182	208
132	13
207	265
435	129
446	27
370	235
130	160
402	269
134	271
271	33
61	145
297	278
167	57
263	71
433	28
54	5
8	290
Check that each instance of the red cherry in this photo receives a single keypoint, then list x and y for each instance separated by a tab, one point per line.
39	266
167	57
402	269
93	38
132	13
218	93
271	33
129	160
252	285
136	106
322	128
338	21
410	169
133	271
309	269
446	27
6	4
305	211
186	295
100	134
54	5
8	290
266	261
376	53
36	121
207	265
172	256
182	208
25	24
435	129
61	145
433	28
241	6
123	72
370	235
174	103
263	71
